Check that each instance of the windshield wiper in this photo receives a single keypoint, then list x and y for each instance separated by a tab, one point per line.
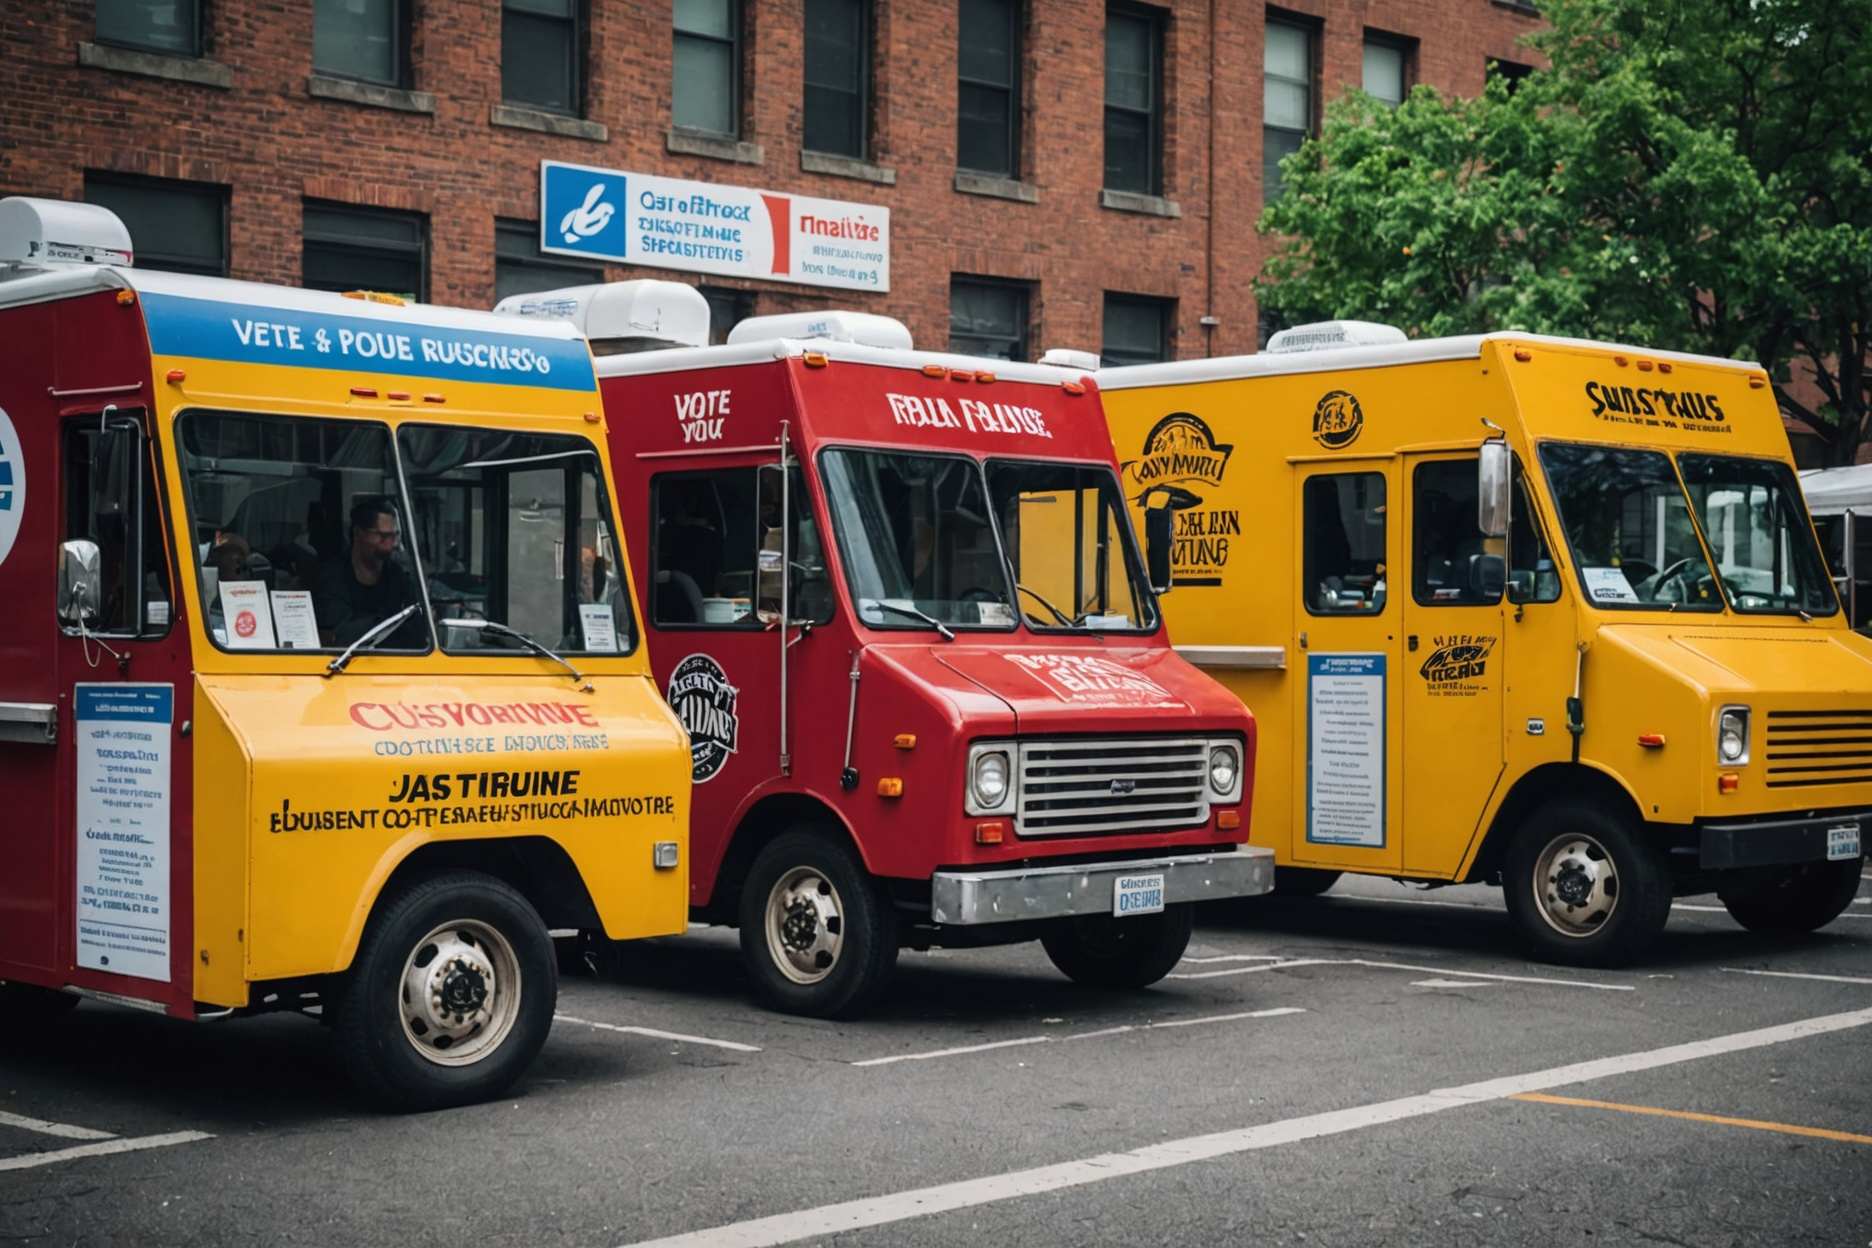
523	639
1058	614
377	632
913	613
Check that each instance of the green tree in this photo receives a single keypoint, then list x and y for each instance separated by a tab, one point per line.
1690	174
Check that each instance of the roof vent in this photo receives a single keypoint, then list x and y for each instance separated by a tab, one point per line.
1332	335
619	317
866	329
1066	357
51	231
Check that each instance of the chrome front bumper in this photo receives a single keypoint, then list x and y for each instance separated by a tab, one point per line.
960	898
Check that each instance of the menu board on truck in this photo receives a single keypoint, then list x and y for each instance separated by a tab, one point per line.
1346	749
122	823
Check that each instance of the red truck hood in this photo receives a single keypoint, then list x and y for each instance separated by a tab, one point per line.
1065	688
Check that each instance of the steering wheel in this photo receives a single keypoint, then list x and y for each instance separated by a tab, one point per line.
1686	581
980	593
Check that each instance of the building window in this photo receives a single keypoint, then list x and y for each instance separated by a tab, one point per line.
726	309
521	268
1133	101
177	226
1510	72
362	39
172	26
1387	69
838	76
1137	329
988	318
1287	99
707	81
351	248
988	104
541	54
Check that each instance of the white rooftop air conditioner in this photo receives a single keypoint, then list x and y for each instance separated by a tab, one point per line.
866	329
52	231
1332	335
1066	357
618	317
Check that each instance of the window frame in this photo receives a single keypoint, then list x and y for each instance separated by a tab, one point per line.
400	41
751	622
1311	32
1307	580
1024	290
1130	552
579	22
736	38
151	531
863	92
361	211
1406	49
220	192
197	43
1017	51
1155	22
716	296
1164	306
1418	562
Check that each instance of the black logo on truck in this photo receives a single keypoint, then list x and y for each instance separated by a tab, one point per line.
1180	451
1656	406
1458	665
704	701
1337	420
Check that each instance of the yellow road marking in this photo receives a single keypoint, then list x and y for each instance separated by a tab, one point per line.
1821	1133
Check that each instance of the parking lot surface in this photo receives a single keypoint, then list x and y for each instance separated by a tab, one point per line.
1377	1066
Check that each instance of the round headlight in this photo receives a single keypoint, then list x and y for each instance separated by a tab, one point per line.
991	779
1224	764
1731	741
1732	735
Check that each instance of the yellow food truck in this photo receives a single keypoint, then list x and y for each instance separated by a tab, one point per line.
320	686
1513	608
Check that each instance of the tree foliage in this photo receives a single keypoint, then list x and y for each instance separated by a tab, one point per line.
1689	174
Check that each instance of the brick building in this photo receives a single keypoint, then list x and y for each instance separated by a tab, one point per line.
1058	172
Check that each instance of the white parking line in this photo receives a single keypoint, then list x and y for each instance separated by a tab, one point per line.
829	1220
43	1127
1399	966
1827	979
1448	983
1078	1035
1679	905
101	1148
654	1034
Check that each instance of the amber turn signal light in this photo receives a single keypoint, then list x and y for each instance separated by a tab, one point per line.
1228	820
890	786
990	833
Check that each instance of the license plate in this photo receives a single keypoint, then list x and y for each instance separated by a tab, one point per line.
1140	894
1843	842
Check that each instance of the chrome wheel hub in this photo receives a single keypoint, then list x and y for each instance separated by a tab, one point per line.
805	925
1576	885
460	993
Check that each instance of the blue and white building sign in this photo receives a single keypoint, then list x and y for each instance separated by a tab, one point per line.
1346	749
122	816
12	484
701	227
304	337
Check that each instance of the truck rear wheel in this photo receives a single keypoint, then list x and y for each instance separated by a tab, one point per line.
1795	900
1303	881
1101	951
818	935
28	1005
451	994
1583	887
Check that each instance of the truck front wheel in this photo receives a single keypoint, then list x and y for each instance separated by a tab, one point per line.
451	994
1583	887
818	935
1100	951
1795	900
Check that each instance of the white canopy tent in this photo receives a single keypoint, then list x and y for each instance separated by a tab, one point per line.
1834	491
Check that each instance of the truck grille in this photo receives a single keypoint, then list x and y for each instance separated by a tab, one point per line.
1806	748
1076	788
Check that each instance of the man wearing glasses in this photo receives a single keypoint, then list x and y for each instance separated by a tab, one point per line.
356	593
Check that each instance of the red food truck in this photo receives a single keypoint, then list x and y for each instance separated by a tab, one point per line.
895	598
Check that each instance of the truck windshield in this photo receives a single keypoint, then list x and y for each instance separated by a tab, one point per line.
1630	529
1757	528
1074	559
918	544
515	529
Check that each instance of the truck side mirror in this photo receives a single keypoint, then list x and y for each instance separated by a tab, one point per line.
1486	576
1157	548
80	587
1494	466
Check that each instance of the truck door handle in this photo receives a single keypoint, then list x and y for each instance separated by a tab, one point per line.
1303	641
1411	641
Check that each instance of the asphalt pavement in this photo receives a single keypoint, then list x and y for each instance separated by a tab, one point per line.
1377	1066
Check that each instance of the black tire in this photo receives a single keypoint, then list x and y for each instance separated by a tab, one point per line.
28	1005
1796	900
1100	951
1580	850
407	1066
829	950
1303	881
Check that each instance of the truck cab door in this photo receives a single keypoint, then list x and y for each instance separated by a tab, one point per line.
1452	591
1347	778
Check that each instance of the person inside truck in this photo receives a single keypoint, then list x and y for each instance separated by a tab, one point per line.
369	585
